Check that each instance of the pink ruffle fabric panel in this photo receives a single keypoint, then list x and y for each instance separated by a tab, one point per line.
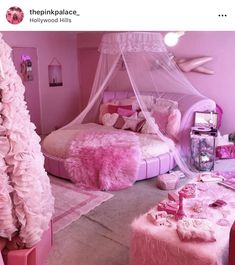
25	193
173	124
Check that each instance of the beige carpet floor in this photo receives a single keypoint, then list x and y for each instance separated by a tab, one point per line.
72	202
101	237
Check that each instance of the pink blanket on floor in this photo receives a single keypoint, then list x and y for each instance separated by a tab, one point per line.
104	160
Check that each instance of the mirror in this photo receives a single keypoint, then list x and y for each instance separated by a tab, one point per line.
206	119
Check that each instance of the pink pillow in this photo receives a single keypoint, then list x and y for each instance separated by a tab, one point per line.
168	119
114	108
173	124
125	112
111	107
160	112
161	119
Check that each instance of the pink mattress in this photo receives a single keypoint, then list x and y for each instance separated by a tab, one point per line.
57	143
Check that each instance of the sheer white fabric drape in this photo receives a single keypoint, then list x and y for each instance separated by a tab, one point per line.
139	62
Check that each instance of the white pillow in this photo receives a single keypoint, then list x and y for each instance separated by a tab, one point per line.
148	101
163	104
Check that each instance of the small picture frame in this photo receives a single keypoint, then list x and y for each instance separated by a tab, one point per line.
55	73
206	119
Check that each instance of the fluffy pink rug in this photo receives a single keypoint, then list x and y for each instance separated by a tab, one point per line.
71	202
104	160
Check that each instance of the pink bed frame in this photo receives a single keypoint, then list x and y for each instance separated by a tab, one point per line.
149	168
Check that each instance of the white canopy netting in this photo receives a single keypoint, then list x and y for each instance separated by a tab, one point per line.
138	62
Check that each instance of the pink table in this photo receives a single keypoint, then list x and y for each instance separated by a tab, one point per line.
160	245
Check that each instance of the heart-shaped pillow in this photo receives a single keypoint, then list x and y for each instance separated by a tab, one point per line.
109	119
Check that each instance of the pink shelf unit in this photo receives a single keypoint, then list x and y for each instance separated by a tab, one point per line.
36	255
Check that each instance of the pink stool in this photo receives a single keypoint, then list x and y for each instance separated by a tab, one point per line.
36	255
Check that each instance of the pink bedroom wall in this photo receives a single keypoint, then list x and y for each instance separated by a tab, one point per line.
88	56
59	105
87	63
219	45
221	85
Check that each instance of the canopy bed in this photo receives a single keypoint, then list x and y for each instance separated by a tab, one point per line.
137	121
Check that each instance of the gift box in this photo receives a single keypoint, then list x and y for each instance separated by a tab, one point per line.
36	255
167	181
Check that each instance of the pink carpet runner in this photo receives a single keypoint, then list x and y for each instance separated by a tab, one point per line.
71	202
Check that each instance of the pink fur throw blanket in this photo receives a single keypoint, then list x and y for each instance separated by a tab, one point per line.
104	160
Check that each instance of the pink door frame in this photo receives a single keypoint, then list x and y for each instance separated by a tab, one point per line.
32	93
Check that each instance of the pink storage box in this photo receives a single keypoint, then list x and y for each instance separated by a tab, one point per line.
225	151
167	181
36	255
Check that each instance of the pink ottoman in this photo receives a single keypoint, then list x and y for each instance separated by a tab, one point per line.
167	181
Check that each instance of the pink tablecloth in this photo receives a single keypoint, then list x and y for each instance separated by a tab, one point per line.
160	245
